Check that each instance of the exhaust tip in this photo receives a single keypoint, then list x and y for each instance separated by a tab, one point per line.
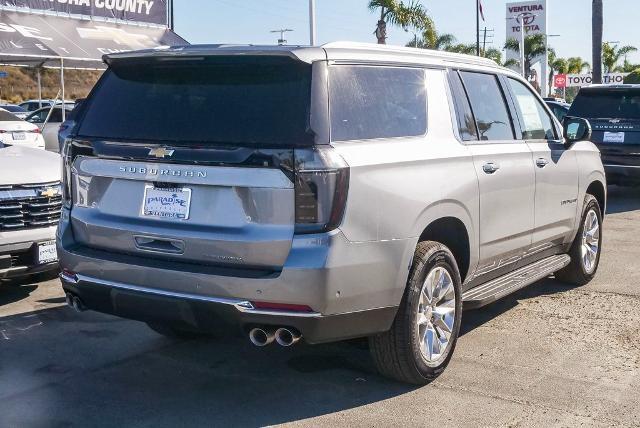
287	337
261	337
78	305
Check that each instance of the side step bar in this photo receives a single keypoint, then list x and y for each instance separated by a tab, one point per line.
500	287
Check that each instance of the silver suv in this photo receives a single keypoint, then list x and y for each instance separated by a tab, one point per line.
322	193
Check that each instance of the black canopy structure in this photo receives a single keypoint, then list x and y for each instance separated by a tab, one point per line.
44	40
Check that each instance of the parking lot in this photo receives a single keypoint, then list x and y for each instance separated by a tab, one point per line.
549	355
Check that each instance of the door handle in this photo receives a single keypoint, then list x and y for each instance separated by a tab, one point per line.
490	167
541	162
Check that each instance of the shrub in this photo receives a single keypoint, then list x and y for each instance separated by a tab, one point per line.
634	77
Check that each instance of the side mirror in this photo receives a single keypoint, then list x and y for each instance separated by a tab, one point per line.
576	129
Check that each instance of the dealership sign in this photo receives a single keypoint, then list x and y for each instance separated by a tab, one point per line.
149	11
531	14
579	80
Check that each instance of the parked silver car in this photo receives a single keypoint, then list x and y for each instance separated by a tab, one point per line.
322	193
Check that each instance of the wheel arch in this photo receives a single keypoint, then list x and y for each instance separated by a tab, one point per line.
453	233
598	190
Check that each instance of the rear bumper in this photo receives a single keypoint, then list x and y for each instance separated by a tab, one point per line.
213	314
354	289
622	174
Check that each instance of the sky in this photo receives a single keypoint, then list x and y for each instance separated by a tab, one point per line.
250	21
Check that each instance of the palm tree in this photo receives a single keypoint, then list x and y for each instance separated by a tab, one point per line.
410	15
534	46
596	39
439	42
611	55
576	65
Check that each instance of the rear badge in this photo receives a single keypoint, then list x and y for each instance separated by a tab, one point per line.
161	152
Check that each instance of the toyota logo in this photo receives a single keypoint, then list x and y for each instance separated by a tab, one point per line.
527	17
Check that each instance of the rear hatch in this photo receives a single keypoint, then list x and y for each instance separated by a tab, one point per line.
191	160
614	113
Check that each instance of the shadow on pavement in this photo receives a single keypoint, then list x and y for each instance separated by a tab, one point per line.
623	199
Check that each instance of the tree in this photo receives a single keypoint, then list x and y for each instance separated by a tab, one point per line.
534	46
596	39
410	15
612	54
439	42
634	77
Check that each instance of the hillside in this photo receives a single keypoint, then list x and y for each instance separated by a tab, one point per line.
22	83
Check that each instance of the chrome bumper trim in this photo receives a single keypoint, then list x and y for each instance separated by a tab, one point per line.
241	305
622	166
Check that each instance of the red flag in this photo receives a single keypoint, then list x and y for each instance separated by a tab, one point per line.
481	11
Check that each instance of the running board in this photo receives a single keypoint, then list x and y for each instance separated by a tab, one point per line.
500	287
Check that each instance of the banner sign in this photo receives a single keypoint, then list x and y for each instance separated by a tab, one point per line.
149	11
579	80
26	36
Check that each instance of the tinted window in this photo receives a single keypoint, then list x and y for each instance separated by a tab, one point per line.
488	106
607	104
213	100
560	112
537	124
377	102
14	109
56	116
466	123
5	116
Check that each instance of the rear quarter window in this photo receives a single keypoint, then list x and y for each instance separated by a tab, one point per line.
368	102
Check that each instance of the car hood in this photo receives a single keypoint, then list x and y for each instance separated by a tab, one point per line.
24	165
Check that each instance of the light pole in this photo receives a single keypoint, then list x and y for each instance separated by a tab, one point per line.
312	22
281	40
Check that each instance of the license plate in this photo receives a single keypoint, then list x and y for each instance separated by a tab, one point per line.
613	137
19	136
47	253
170	203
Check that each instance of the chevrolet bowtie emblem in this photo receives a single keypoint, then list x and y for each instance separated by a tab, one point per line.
161	152
49	193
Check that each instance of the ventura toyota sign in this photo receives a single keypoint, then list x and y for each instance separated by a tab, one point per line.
150	11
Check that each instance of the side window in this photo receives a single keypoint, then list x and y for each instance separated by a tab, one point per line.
377	102
56	116
488	105
560	113
466	122
537	124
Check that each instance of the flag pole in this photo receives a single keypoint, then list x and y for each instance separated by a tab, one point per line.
478	27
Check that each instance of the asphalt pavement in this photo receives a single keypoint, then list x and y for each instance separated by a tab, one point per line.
549	355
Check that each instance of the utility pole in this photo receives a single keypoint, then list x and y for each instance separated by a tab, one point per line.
478	27
312	22
522	15
281	40
171	25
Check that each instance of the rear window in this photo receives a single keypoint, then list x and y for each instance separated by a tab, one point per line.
607	104
5	116
249	101
14	109
377	102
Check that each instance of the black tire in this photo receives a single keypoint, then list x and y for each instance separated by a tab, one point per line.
174	332
396	353
575	272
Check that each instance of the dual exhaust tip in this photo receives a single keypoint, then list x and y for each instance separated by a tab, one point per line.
283	336
75	303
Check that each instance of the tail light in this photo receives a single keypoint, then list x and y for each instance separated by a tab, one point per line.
66	173
35	131
321	187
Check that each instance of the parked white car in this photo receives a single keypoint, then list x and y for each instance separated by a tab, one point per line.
51	127
30	203
15	131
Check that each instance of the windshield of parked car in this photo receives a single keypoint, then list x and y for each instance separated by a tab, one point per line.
607	104
255	101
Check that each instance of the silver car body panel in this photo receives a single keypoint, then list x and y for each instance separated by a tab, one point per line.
397	188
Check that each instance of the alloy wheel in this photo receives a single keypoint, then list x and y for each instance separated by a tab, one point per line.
436	314
590	241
